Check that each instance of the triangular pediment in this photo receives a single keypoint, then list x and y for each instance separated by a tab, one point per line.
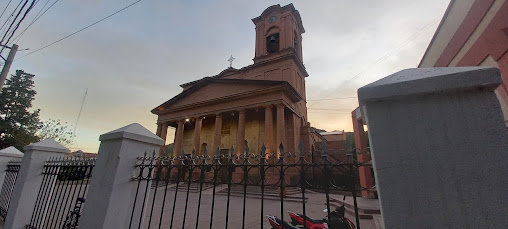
215	89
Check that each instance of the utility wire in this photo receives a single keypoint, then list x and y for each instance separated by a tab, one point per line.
326	109
10	26
352	97
418	33
393	51
84	28
5	8
19	23
39	15
11	15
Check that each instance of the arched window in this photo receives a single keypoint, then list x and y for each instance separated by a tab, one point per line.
272	43
272	40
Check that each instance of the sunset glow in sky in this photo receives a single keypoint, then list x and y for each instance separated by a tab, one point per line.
135	60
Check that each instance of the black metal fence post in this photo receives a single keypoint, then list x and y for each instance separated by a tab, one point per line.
63	187
11	173
278	176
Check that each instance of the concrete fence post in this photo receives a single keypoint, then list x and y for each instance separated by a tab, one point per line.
6	155
439	147
29	181
112	191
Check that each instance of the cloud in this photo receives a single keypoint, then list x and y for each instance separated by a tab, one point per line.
135	60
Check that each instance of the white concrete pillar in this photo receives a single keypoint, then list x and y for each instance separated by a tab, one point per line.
112	191
6	155
29	181
439	147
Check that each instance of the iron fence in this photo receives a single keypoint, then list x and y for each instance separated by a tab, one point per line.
62	193
240	189
11	175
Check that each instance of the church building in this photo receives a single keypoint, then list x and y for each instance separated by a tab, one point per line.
263	103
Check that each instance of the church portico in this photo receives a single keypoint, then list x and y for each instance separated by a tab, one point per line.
263	103
257	125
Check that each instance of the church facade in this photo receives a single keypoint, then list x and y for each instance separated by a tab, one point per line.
263	103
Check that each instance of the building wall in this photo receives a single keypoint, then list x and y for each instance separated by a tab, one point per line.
286	70
480	29
480	39
454	16
279	70
283	65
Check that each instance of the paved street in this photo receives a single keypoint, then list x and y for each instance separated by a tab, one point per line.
254	217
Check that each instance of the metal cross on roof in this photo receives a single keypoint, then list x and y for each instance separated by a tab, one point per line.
231	58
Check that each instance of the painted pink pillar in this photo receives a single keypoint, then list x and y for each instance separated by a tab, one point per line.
217	133
269	129
361	145
197	134
240	134
179	138
162	132
281	128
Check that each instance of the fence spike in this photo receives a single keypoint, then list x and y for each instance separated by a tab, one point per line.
205	151
193	154
217	152
281	149
182	153
153	154
232	150
247	149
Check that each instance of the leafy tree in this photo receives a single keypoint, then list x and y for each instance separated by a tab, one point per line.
18	125
57	130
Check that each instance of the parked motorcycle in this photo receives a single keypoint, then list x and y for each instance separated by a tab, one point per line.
277	223
337	220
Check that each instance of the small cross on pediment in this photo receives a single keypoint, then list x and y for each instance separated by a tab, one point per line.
231	58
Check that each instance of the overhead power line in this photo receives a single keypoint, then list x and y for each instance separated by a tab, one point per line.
17	25
329	112
5	8
352	97
84	28
392	51
326	109
37	16
418	33
11	15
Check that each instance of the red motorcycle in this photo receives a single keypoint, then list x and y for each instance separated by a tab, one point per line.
298	219
337	220
277	223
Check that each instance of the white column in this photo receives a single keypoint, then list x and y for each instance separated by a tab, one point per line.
29	181
111	195
439	147
6	155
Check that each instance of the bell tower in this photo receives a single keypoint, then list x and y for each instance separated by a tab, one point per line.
278	31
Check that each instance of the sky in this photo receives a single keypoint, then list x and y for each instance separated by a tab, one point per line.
136	60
